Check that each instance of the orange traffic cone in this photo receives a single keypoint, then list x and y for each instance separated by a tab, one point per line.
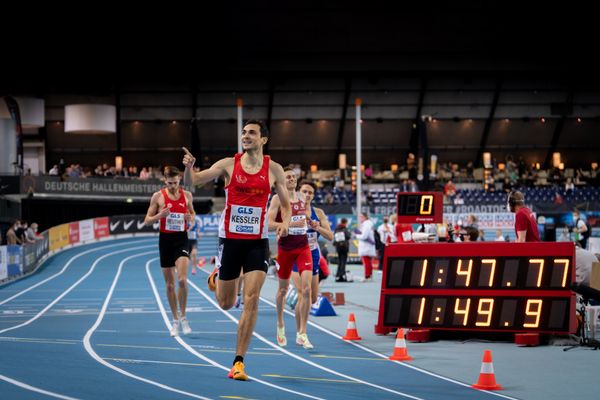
400	352
351	332
487	379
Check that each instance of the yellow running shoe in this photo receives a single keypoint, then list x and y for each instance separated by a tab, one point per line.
237	372
281	340
212	280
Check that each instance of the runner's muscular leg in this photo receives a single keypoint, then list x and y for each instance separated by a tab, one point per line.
169	275
253	282
227	292
181	264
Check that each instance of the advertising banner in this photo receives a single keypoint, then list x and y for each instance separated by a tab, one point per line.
209	223
3	263
100	227
120	224
59	236
86	230
14	265
74	232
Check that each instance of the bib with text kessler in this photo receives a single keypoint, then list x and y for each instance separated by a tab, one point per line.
245	220
175	222
296	229
313	243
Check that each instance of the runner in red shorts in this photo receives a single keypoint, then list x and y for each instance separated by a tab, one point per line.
292	249
243	234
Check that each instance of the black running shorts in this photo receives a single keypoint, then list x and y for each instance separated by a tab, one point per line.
172	246
252	255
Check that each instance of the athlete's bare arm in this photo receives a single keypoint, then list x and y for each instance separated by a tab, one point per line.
221	168
191	214
324	229
272	213
521	236
284	198
153	214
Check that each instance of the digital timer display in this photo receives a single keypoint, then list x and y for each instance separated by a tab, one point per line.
423	207
516	287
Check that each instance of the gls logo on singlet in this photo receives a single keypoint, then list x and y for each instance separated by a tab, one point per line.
245	210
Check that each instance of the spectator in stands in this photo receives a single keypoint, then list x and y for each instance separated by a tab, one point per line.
468	234
411	167
470	170
472	221
522	168
20	231
490	183
11	234
54	170
328	198
369	198
481	235
507	185
368	173
23	231
569	186
144	174
525	224
366	245
32	232
499	236
450	189
341	242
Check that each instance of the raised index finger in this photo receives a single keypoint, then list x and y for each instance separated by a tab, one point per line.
187	151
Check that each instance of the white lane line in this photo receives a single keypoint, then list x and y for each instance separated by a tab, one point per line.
199	355
368	350
73	286
88	346
134	361
301	359
64	269
35	389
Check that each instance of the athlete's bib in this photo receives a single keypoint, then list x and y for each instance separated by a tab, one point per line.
175	222
245	220
313	244
339	236
292	230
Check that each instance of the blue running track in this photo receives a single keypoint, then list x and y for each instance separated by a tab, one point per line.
93	324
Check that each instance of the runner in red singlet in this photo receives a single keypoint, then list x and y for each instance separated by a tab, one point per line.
174	208
243	241
292	249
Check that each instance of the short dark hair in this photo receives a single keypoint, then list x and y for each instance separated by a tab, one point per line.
171	171
472	232
286	169
264	131
309	183
343	221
